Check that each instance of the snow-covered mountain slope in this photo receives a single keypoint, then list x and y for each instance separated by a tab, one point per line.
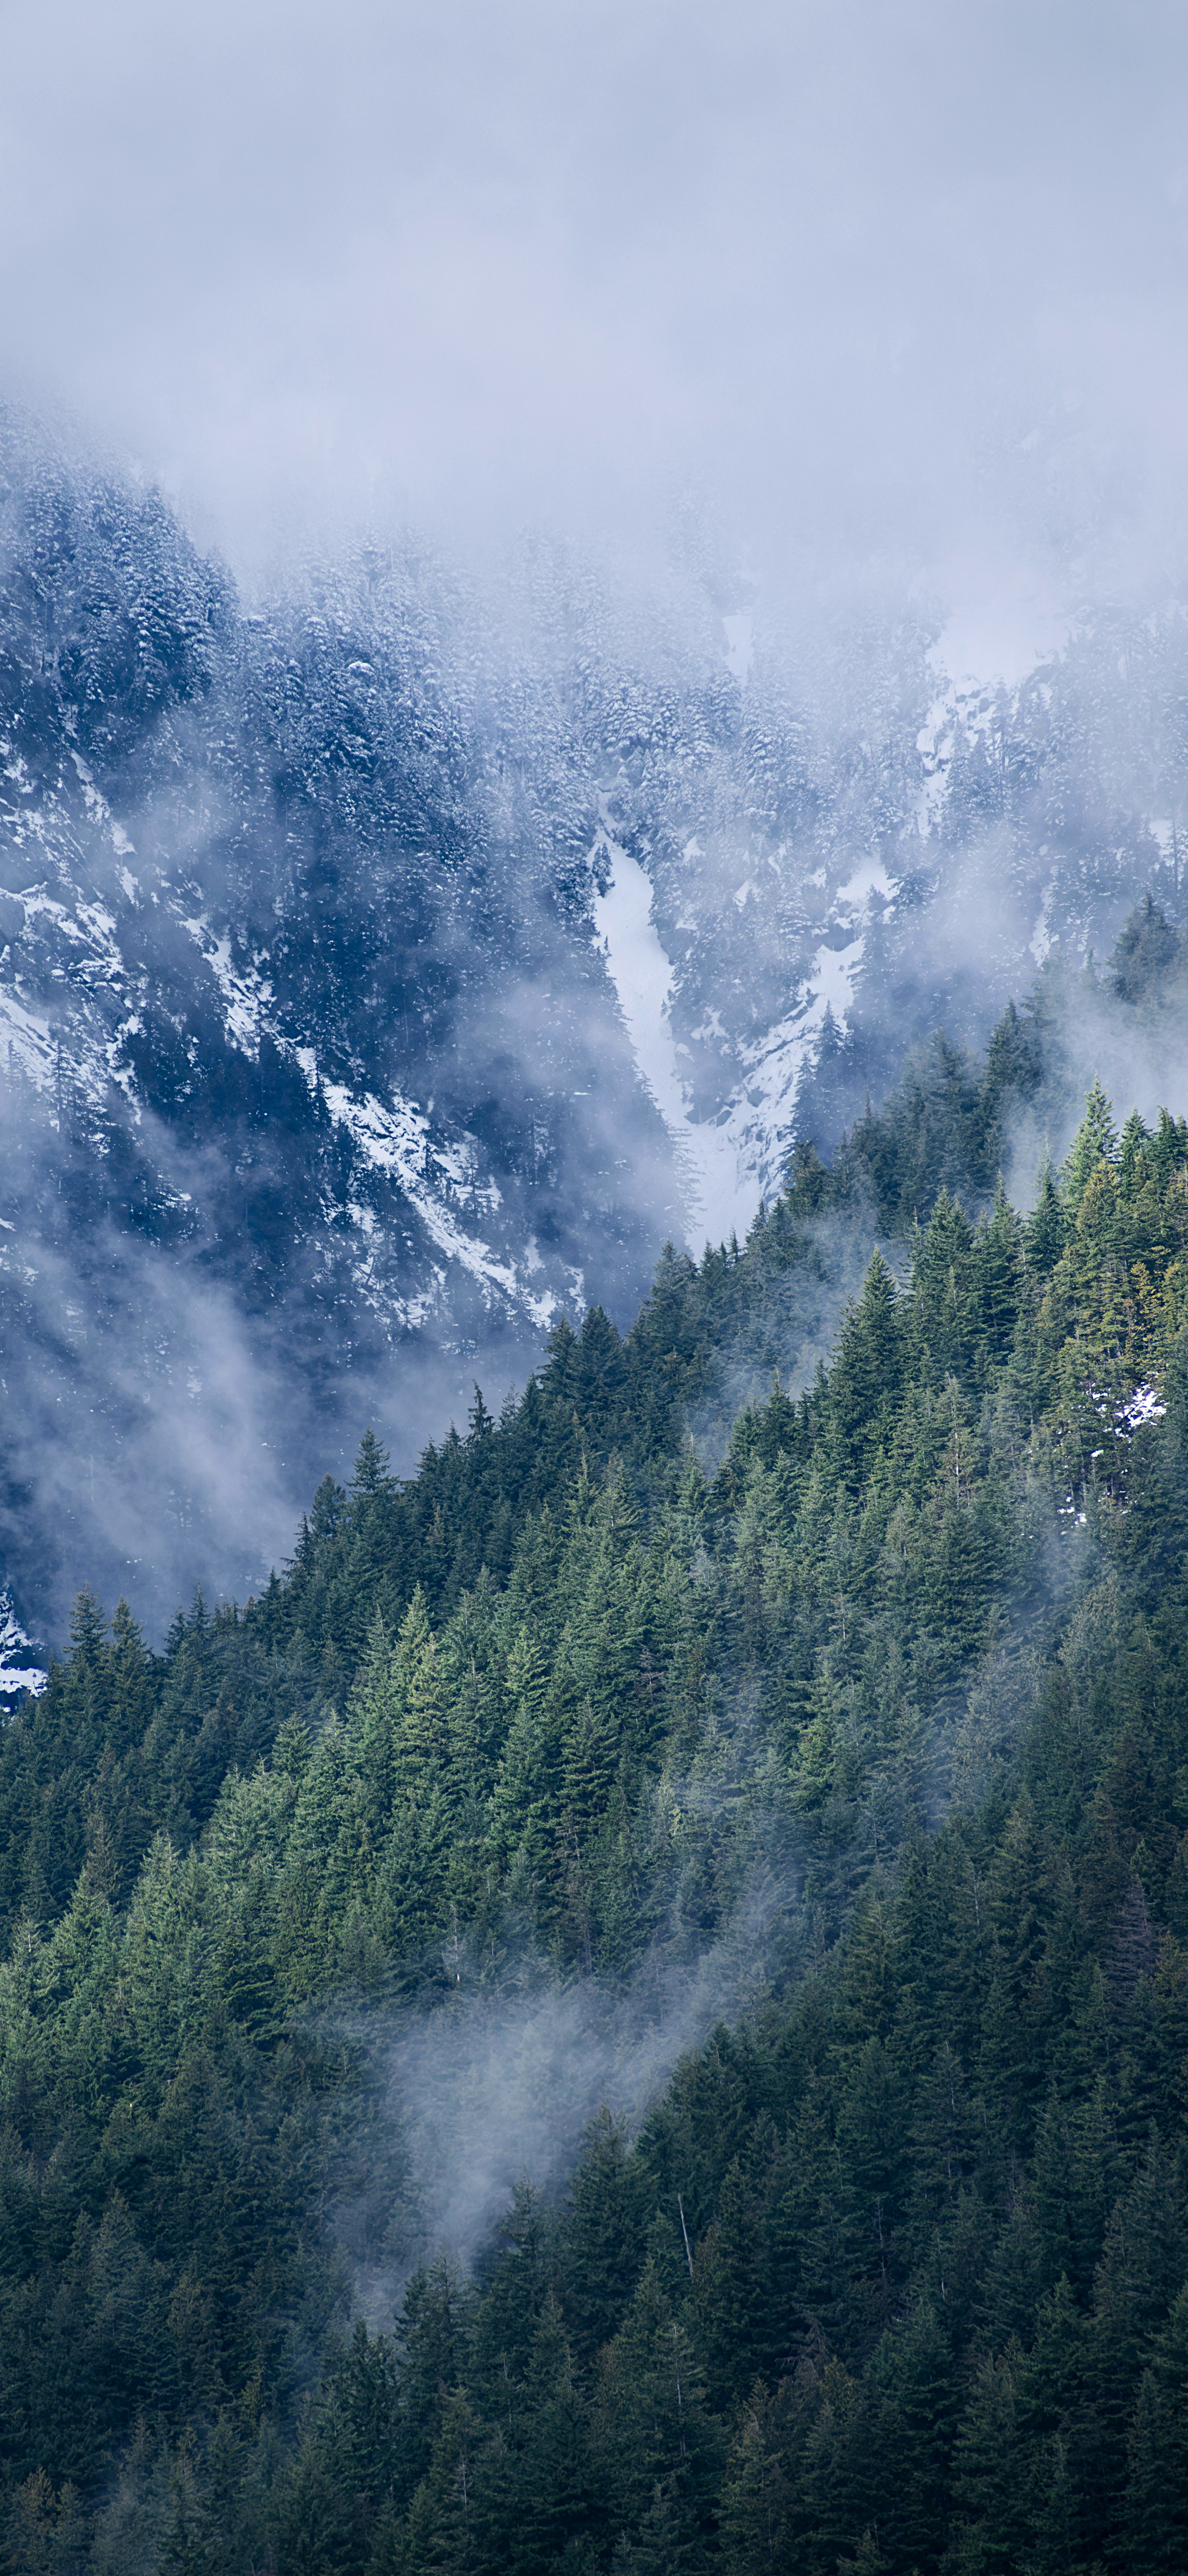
861	857
386	972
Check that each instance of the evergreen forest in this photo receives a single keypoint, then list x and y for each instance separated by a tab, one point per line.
855	1719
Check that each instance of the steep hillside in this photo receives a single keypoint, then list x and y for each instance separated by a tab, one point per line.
525	1771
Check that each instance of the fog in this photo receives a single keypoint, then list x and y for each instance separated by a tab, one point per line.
860	319
867	319
895	290
159	1437
498	2084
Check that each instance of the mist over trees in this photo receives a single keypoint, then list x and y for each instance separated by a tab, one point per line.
593	1291
825	1747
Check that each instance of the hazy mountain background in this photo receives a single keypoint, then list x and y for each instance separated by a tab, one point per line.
568	583
395	965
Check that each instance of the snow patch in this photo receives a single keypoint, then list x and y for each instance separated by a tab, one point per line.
1145	1405
18	1671
396	1141
725	1164
1040	941
851	903
28	1044
100	811
246	995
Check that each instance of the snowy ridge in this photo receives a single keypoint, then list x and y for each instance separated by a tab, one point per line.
395	1139
396	1142
80	1047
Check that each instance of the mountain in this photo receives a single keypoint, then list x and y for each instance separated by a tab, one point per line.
392	967
627	2017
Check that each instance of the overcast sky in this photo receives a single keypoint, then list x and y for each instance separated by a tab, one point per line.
883	282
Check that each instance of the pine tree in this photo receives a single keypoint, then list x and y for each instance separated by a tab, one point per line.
987	2487
1095	1143
434	2334
761	2515
1046	1229
727	2300
867	1372
648	2429
446	2526
996	1278
944	1306
604	2240
1155	2513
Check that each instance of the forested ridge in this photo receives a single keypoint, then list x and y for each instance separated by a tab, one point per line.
885	1689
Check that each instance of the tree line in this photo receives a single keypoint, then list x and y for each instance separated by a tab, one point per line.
894	2275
